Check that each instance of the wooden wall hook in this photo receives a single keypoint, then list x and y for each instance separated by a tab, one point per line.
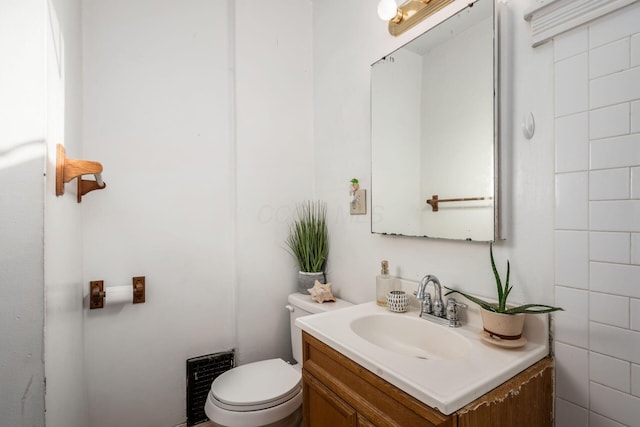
68	169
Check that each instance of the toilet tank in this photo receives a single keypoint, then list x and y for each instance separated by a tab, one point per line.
302	305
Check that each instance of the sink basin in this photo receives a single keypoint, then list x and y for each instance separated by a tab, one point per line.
411	336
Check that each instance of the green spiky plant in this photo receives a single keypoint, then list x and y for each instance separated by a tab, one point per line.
308	238
503	294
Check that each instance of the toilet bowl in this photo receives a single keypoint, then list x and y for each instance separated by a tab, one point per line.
267	393
257	394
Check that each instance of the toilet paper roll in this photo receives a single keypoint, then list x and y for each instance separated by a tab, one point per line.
118	295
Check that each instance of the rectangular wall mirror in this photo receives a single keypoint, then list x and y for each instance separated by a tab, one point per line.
433	132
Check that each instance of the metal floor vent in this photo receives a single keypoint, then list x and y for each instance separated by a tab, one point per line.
201	371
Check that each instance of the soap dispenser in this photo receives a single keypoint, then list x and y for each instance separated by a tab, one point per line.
385	283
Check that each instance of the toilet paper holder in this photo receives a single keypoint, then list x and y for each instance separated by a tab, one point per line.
98	293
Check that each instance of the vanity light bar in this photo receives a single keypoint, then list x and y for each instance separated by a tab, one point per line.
413	12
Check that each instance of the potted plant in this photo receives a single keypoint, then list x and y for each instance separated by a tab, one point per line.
308	241
499	319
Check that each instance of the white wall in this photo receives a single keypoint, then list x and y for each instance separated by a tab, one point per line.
156	115
22	150
64	332
597	109
200	113
274	164
348	37
199	200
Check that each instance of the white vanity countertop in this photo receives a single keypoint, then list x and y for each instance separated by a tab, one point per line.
447	385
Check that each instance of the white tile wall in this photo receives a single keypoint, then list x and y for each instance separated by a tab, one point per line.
614	88
635	248
609	184
620	215
616	152
610	58
619	279
634	308
610	309
572	259
569	415
614	27
609	121
572	201
635	183
635	380
572	143
621	407
573	43
635	116
597	420
635	51
572	374
609	247
621	343
572	324
597	98
572	84
609	371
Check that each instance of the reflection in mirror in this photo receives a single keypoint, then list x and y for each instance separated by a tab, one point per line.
432	132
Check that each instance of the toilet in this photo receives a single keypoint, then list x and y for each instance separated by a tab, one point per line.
267	393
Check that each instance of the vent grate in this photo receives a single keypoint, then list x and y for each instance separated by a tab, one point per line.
201	371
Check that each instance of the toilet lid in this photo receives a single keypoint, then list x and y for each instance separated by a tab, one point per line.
257	385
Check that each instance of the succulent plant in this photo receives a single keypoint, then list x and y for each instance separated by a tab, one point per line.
503	294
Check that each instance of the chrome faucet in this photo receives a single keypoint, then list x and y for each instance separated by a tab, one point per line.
437	306
435	311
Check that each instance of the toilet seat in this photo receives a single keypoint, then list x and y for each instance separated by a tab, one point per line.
256	386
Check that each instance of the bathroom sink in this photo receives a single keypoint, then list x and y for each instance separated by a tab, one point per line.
411	336
445	368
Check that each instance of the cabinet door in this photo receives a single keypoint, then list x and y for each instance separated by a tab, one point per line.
526	400
322	407
363	422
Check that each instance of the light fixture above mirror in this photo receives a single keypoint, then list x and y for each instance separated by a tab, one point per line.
410	13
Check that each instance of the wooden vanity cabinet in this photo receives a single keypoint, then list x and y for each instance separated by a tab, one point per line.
338	392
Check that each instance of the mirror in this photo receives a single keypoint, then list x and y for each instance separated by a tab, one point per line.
433	130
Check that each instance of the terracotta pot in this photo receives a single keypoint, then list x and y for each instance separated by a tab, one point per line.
504	326
307	280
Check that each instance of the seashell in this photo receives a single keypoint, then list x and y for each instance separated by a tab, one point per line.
321	293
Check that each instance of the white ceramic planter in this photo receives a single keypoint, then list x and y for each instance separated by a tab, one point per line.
504	326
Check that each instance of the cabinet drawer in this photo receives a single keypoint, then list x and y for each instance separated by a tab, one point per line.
327	408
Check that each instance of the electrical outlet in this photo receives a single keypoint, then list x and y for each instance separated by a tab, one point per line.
359	206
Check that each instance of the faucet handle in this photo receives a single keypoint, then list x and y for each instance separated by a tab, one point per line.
455	303
452	311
